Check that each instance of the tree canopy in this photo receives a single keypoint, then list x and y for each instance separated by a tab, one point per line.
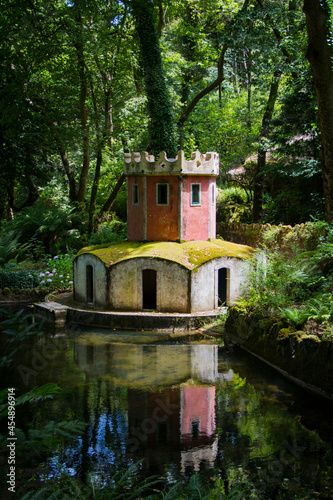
83	81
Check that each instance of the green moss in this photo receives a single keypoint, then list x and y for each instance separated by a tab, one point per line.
190	254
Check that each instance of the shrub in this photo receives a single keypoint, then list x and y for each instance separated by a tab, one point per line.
18	279
235	194
109	232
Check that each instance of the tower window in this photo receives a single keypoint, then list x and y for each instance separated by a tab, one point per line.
135	194
162	194
195	194
213	194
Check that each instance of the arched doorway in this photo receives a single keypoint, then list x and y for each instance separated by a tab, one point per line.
149	289
89	284
223	286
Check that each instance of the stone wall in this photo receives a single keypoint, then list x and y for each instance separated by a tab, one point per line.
305	358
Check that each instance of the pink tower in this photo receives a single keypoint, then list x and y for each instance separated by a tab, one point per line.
171	199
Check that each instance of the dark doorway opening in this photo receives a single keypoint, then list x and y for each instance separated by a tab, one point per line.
222	289
90	283
149	289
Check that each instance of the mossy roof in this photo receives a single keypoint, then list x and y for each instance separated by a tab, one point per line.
190	254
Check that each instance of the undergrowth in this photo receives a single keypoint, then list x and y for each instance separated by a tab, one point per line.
292	282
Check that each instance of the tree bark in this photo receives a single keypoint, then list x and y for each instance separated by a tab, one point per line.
261	162
69	173
83	114
319	55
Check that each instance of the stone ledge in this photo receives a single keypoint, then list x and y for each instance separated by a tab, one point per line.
57	315
52	314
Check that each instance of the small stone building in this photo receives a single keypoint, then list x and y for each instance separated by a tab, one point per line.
172	261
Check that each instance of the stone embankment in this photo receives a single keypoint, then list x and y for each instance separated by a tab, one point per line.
306	359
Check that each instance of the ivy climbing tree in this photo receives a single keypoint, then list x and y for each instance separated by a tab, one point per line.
161	127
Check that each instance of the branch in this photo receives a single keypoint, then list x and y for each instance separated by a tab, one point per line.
112	198
220	75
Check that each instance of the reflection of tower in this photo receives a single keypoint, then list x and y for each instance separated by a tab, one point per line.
197	426
170	398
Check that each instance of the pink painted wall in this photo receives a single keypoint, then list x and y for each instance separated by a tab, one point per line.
195	218
198	404
135	212
162	221
198	222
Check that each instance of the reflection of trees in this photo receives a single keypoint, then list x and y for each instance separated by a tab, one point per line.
268	446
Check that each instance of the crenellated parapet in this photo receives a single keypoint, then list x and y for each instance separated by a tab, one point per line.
144	163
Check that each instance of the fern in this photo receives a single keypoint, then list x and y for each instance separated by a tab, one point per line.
296	317
44	494
37	394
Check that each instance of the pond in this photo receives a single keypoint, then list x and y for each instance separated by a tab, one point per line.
171	410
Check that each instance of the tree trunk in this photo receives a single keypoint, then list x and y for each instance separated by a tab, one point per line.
161	120
83	113
319	55
69	173
261	162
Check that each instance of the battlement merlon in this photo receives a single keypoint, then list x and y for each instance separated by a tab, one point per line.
199	164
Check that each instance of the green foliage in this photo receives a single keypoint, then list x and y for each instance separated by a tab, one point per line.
46	227
127	484
18	279
109	232
320	308
296	317
293	281
232	193
10	248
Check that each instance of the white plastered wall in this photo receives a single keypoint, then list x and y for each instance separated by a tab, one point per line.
172	284
99	279
204	285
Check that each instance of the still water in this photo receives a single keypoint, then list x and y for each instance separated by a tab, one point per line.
182	407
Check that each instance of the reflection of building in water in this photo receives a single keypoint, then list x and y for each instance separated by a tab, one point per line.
150	365
197	426
176	423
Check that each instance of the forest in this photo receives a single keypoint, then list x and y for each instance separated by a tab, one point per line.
79	87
